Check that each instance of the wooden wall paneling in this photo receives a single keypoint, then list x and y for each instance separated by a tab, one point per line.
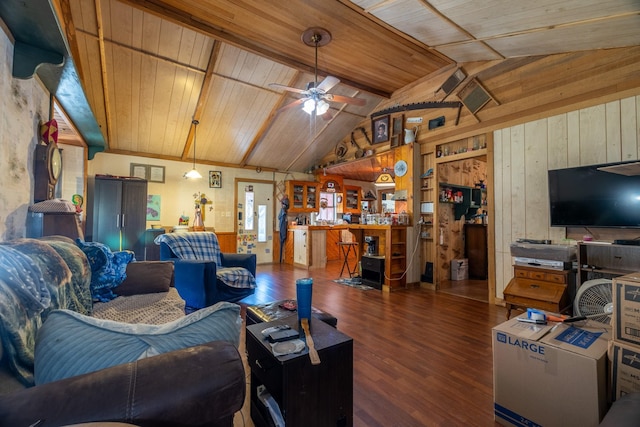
536	209
491	246
333	251
498	191
566	133
613	121
557	158
629	122
227	242
517	190
593	142
573	139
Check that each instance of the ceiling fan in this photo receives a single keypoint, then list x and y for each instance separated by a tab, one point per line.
315	96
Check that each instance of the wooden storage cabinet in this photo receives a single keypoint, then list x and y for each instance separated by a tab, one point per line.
303	196
351	201
117	213
396	257
540	288
476	250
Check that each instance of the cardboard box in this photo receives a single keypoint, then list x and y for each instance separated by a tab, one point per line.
548	375
625	369
460	269
626	308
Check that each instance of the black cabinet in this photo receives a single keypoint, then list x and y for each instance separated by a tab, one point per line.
116	213
307	395
373	271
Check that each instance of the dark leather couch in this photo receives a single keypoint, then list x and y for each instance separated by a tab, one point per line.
173	389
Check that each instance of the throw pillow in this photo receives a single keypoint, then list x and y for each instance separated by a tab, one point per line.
146	277
70	344
108	269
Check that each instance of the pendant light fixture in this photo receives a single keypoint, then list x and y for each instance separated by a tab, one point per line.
384	179
193	173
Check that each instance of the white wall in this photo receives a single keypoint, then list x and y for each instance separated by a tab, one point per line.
524	153
177	193
24	104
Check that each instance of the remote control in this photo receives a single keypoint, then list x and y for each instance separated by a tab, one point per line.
283	335
268	331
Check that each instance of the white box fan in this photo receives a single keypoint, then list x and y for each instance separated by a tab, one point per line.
594	300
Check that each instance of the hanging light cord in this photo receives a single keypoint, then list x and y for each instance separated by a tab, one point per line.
195	127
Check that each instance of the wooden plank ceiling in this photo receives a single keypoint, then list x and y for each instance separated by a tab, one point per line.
149	67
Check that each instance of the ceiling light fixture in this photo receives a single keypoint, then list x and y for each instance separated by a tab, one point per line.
384	179
193	173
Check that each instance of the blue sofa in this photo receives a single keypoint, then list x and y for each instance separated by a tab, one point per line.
203	274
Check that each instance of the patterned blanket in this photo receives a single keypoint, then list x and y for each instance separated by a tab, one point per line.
203	245
36	277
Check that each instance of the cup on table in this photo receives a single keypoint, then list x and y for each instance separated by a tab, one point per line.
304	289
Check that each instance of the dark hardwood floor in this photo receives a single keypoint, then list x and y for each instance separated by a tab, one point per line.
421	357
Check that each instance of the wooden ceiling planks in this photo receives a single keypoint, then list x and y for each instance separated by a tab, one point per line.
158	66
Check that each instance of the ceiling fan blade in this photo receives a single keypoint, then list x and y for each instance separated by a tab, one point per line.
290	89
327	116
292	104
345	99
328	83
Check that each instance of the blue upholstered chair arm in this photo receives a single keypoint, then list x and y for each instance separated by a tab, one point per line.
247	261
166	254
195	281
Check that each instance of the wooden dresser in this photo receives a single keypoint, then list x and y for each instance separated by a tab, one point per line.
541	288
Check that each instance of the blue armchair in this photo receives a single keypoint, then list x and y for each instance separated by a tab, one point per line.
203	274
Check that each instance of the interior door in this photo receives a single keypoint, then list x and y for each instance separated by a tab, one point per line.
254	219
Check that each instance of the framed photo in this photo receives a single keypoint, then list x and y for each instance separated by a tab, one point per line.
215	179
380	129
156	174
151	173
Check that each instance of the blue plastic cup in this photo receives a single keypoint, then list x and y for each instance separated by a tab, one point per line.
304	289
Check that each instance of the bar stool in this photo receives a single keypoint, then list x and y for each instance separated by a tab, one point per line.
347	244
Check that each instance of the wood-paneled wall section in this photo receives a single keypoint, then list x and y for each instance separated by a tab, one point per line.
466	172
524	153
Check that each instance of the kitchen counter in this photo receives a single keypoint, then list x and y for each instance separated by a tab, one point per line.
315	244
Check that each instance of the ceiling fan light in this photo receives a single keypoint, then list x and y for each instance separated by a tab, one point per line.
322	107
193	174
309	106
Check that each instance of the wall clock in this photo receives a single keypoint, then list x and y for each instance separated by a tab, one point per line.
400	168
46	172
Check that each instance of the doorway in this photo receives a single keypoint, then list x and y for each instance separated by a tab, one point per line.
254	219
462	234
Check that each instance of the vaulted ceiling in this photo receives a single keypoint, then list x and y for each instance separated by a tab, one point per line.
150	67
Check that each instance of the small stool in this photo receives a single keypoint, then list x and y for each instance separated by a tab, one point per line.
273	311
346	243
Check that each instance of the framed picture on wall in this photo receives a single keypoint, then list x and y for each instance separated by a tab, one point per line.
380	129
215	179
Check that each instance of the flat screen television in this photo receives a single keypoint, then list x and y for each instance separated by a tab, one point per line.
589	196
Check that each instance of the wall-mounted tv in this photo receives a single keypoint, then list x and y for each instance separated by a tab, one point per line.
605	195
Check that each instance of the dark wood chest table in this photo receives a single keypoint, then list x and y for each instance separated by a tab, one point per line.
308	395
